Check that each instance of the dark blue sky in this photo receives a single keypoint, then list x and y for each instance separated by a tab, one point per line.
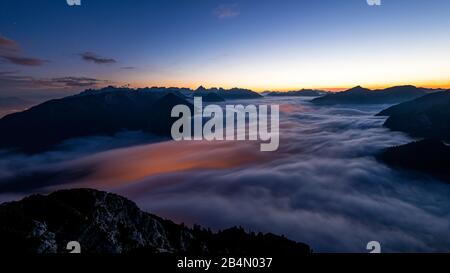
47	45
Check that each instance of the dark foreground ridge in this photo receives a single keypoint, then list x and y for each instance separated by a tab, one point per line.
430	156
107	223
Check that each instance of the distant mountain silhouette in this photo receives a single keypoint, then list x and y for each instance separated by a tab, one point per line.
210	95
299	93
201	88
161	90
355	90
227	94
427	116
360	95
430	156
107	223
103	112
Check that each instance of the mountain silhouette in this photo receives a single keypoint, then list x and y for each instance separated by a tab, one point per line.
357	89
227	94
360	95
298	93
427	116
430	156
105	112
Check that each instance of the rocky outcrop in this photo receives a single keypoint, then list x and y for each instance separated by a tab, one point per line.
107	223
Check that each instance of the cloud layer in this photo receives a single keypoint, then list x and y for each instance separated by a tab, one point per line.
322	187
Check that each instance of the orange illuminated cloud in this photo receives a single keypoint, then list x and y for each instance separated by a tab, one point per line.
128	165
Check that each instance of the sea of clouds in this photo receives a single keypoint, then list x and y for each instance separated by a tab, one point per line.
322	187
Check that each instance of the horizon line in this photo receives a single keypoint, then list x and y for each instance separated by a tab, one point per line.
261	90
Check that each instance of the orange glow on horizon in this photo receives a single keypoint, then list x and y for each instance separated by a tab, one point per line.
435	84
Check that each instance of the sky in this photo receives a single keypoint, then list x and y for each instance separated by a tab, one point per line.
49	49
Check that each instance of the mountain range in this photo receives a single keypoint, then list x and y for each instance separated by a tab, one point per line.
360	95
225	94
104	113
427	116
298	93
429	156
219	94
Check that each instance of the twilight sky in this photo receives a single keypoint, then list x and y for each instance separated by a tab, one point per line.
48	48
